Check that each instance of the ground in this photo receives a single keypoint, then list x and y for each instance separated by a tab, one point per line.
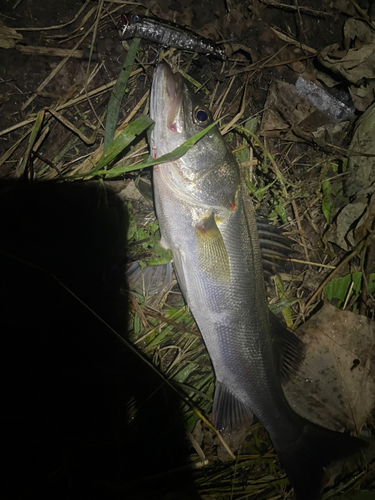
86	415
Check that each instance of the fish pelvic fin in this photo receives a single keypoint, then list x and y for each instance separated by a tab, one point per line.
305	458
228	411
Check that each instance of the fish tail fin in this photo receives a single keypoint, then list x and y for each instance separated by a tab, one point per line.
315	448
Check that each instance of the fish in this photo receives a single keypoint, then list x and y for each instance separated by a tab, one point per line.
207	220
168	35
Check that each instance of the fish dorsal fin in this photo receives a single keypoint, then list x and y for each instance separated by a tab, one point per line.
211	251
228	411
289	350
275	247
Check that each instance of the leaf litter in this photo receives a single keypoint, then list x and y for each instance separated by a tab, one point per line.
309	173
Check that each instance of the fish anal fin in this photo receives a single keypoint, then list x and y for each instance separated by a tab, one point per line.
211	250
228	411
289	350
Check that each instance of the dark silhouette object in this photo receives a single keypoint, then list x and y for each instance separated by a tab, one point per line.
82	415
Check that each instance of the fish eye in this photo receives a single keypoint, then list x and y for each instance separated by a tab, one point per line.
135	18
201	116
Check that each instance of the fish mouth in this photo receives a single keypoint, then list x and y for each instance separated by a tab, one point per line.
167	98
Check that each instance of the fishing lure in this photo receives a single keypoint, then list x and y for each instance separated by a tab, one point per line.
167	35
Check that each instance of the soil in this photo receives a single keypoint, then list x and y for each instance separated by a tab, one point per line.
21	75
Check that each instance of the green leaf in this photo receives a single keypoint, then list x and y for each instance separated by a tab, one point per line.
257	192
280	210
177	316
161	256
117	93
137	324
357	279
244	154
262	191
251	124
173	156
282	304
126	137
183	374
287	313
339	288
344	164
250	186
193	82
371	284
33	136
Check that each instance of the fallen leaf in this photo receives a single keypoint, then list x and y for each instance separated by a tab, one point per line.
335	386
365	224
291	117
362	95
338	232
345	6
361	168
284	111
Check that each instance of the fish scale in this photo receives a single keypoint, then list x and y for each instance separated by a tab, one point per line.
207	221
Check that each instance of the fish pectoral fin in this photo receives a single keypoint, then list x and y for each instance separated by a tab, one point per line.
228	411
289	350
212	253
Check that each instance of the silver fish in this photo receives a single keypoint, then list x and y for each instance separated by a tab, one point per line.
207	220
167	35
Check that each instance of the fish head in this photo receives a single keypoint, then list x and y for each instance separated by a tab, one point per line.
207	171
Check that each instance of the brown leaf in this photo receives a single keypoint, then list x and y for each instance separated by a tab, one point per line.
335	386
284	110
